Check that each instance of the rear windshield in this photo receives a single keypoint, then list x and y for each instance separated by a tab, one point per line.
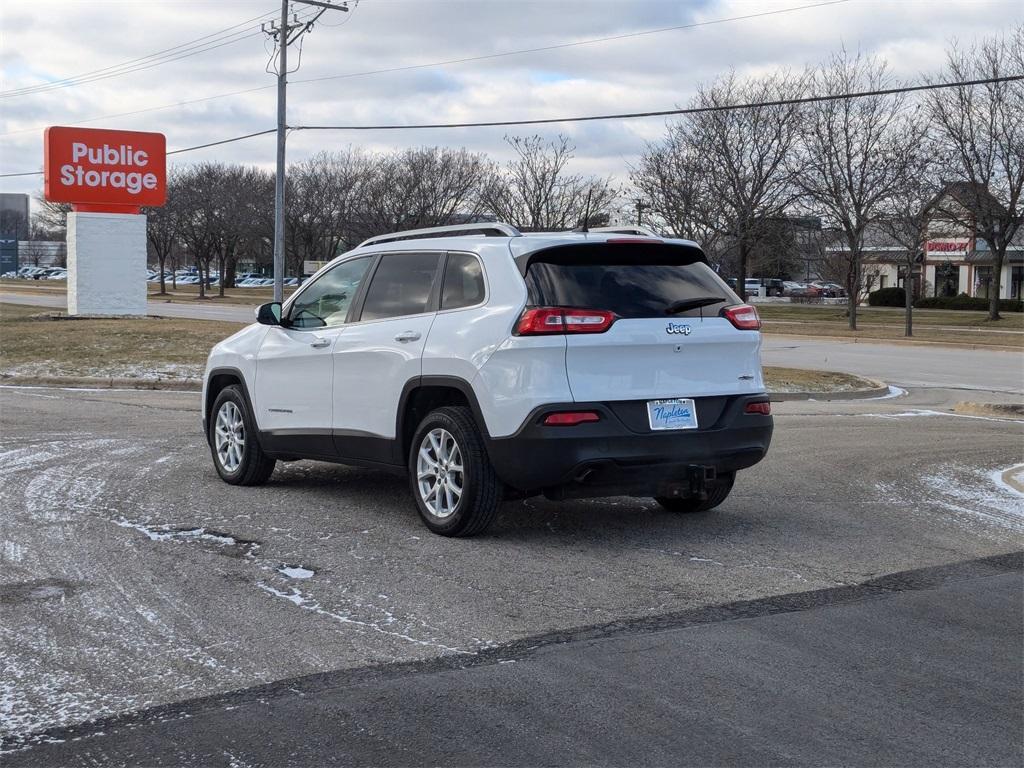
626	281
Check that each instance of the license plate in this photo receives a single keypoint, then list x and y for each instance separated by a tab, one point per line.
677	413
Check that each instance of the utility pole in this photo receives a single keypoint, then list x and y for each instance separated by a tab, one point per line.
640	205
284	37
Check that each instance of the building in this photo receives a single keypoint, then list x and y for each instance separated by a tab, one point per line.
42	253
14	218
953	261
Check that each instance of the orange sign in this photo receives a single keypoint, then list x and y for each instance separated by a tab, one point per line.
101	170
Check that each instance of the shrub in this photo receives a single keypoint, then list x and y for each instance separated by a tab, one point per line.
963	301
887	297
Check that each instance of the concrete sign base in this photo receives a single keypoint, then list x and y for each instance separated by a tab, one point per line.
106	264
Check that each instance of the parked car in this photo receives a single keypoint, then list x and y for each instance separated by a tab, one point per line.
502	366
829	290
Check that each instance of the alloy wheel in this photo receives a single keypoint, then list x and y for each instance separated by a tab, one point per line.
229	436
439	473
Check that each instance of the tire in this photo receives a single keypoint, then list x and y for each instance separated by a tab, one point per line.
246	464
717	493
452	503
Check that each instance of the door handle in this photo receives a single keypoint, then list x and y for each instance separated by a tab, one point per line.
408	336
320	343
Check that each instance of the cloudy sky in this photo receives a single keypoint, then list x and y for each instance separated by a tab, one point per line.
191	94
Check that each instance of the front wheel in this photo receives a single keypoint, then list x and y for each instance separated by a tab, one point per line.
718	491
236	451
453	483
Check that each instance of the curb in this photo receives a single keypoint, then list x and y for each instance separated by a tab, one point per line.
878	390
999	410
195	385
96	382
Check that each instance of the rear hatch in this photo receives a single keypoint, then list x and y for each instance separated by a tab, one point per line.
666	332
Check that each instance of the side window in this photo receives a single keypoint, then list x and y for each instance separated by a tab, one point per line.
400	286
463	282
326	301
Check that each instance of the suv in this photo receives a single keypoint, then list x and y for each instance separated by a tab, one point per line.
486	364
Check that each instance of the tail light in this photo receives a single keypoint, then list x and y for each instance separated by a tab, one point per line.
764	408
743	316
542	320
570	418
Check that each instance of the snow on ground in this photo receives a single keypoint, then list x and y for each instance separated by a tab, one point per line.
969	497
113	371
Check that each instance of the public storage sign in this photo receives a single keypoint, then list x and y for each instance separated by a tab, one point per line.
103	170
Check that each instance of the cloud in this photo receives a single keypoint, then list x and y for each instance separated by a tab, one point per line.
649	72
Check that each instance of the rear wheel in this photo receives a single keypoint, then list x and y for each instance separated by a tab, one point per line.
718	491
455	488
236	451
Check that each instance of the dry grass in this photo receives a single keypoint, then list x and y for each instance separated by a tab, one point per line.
800	380
33	344
935	325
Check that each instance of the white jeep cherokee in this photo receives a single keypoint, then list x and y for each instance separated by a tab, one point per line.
486	364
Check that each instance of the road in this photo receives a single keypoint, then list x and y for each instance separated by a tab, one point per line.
905	365
900	364
808	679
134	580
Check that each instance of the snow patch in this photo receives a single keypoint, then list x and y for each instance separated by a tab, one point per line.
967	495
1016	473
296	572
917	412
297	598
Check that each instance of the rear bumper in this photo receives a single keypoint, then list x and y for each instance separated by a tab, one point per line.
621	455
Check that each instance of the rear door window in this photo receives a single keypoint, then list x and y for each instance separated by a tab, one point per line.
402	285
463	282
629	284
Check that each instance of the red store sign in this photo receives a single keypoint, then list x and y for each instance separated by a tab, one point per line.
948	246
103	170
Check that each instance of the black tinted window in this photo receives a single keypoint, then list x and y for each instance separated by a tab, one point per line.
326	301
400	286
463	282
629	289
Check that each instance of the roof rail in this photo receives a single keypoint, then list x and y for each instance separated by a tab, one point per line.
627	230
492	228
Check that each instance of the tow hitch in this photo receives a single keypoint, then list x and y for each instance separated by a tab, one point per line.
695	485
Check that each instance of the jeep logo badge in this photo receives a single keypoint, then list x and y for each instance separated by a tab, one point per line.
678	328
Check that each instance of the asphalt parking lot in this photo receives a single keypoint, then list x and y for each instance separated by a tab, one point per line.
134	579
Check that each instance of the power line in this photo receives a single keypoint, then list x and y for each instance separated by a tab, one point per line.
618	116
447	62
558	46
222	141
176	53
666	112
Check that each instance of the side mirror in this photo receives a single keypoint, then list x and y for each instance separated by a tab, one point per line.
269	314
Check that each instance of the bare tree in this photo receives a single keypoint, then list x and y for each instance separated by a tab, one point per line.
424	187
979	134
197	201
535	191
745	160
908	220
324	197
855	155
52	216
669	175
162	228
